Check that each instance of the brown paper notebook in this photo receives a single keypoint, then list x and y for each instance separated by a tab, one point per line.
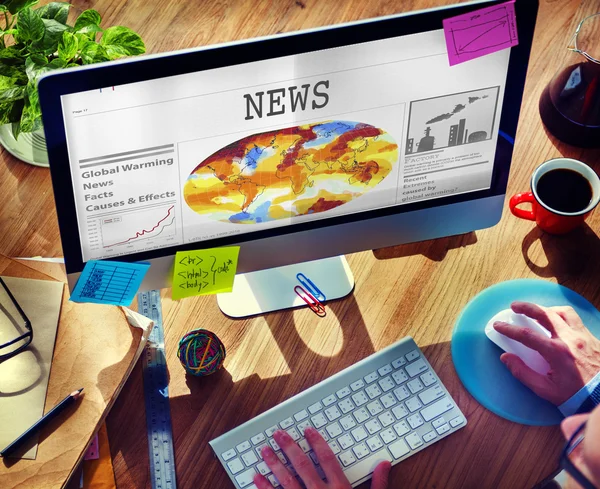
96	349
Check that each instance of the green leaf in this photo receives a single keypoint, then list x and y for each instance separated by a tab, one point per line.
16	129
93	53
58	11
67	47
15	6
52	36
6	82
121	41
88	33
35	66
87	17
5	110
11	94
11	56
30	25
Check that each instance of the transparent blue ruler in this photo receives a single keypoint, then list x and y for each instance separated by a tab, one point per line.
156	395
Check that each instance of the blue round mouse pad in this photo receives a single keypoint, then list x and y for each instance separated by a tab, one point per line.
477	359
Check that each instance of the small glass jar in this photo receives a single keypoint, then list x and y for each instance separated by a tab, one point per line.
570	104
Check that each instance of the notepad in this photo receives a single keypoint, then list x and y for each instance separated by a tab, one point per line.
109	282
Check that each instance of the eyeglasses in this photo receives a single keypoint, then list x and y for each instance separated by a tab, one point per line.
16	333
579	45
568	465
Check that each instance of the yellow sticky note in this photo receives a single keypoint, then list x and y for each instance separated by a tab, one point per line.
204	272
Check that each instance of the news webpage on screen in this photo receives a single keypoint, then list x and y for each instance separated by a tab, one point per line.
278	142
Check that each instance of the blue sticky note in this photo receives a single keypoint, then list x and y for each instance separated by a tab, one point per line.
109	282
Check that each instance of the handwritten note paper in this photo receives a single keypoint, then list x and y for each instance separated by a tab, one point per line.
109	282
480	32
204	272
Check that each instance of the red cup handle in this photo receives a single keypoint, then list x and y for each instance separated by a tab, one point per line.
518	199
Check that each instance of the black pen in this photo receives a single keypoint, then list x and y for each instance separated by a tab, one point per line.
67	401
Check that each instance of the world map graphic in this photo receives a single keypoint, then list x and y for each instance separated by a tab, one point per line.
291	172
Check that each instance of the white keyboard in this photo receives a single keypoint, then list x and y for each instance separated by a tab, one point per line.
386	407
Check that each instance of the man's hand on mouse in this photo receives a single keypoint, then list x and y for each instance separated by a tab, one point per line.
572	352
305	468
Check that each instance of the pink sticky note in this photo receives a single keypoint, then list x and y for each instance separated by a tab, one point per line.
93	453
480	32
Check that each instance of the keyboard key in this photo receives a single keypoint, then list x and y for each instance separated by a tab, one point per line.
431	394
228	454
366	466
416	368
438	422
373	391
293	432
359	434
375	408
386	419
373	426
361	450
386	384
399	362
281	457
456	422
319	420
374	443
333	413
301	415
345	441
415	421
334	430
302	426
399	449
235	466
372	377
346	406
329	400
343	392
313	408
400	376
245	478
429	436
428	378
249	458
388	400
346	458
386	369
286	423
324	435
360	398
274	444
443	429
415	386
401	393
400	411
270	431
413	404
242	447
361	415
303	444
273	480
259	449
414	441
256	439
335	448
359	384
263	468
437	408
412	355
388	436
401	428
347	422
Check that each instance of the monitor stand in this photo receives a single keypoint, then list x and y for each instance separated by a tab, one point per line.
273	289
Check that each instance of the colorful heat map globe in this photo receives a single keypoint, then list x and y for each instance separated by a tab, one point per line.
291	172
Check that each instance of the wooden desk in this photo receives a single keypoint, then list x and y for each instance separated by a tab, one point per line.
417	289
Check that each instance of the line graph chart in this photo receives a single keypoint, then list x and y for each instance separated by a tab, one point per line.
139	229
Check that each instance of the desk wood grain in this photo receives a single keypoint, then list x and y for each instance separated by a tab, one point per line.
417	289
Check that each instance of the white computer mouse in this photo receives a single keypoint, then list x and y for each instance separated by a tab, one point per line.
530	357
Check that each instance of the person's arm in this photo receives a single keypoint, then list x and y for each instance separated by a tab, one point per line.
572	352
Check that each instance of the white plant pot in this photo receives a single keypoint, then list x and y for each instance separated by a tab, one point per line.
30	147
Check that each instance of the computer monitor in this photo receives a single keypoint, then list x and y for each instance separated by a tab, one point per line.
296	147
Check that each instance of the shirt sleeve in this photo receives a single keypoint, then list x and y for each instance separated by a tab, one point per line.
584	400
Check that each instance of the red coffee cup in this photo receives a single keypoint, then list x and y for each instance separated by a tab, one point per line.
549	219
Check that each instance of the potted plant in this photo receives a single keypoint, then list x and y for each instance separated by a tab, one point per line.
35	41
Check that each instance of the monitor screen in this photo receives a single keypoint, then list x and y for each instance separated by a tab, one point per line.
273	137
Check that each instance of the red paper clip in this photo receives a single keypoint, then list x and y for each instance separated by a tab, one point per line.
314	304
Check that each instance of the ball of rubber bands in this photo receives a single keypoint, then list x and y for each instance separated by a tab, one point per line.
201	352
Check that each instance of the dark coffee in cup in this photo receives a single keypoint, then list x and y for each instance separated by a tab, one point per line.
565	190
